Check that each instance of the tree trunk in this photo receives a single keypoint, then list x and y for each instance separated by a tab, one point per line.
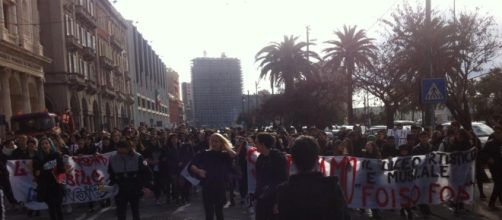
350	112
389	115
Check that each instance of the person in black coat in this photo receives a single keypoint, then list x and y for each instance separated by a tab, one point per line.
49	172
172	167
152	154
492	153
21	152
212	167
308	194
8	148
423	148
185	154
271	170
130	172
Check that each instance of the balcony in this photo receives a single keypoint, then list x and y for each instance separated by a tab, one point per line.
68	5
92	87
121	96
85	16
130	99
108	91
88	53
116	42
76	81
127	77
106	63
72	43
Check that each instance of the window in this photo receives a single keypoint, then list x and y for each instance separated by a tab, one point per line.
67	25
93	42
6	15
77	31
70	62
91	8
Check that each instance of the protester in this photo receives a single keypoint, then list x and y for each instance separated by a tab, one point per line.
185	154
130	172
173	168
308	195
406	211
271	170
152	154
372	152
243	167
389	148
422	148
49	172
21	151
212	167
492	153
7	149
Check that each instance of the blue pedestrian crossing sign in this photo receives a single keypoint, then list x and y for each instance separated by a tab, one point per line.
433	91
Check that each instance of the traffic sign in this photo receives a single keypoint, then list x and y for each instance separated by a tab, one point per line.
433	91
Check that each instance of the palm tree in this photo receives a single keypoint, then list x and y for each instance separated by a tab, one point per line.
286	62
350	52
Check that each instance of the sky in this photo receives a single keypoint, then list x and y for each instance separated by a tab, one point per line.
181	30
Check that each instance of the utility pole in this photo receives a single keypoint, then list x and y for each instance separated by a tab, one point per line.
429	114
248	101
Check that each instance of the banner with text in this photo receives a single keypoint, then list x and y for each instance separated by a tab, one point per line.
397	182
84	175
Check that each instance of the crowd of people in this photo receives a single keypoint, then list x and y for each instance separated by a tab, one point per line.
150	161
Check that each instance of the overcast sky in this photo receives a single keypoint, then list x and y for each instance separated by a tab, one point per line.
180	30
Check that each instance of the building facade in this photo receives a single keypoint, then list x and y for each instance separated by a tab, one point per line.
21	58
89	72
187	96
217	91
149	77
175	104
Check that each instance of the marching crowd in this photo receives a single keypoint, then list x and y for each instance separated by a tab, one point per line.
150	161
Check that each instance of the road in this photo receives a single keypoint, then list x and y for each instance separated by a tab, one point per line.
194	211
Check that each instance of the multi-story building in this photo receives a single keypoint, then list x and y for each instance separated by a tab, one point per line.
149	77
187	96
21	58
89	72
175	104
217	91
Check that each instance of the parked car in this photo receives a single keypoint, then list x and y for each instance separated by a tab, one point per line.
481	130
375	129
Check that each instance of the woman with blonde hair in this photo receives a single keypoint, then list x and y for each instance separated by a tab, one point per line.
212	167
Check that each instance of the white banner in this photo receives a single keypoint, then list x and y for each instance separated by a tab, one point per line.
85	174
397	182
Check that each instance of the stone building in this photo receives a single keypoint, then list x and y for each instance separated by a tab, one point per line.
175	104
21	58
89	72
149	82
187	96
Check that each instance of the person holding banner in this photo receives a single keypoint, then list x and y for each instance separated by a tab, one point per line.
308	194
49	172
423	148
212	167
